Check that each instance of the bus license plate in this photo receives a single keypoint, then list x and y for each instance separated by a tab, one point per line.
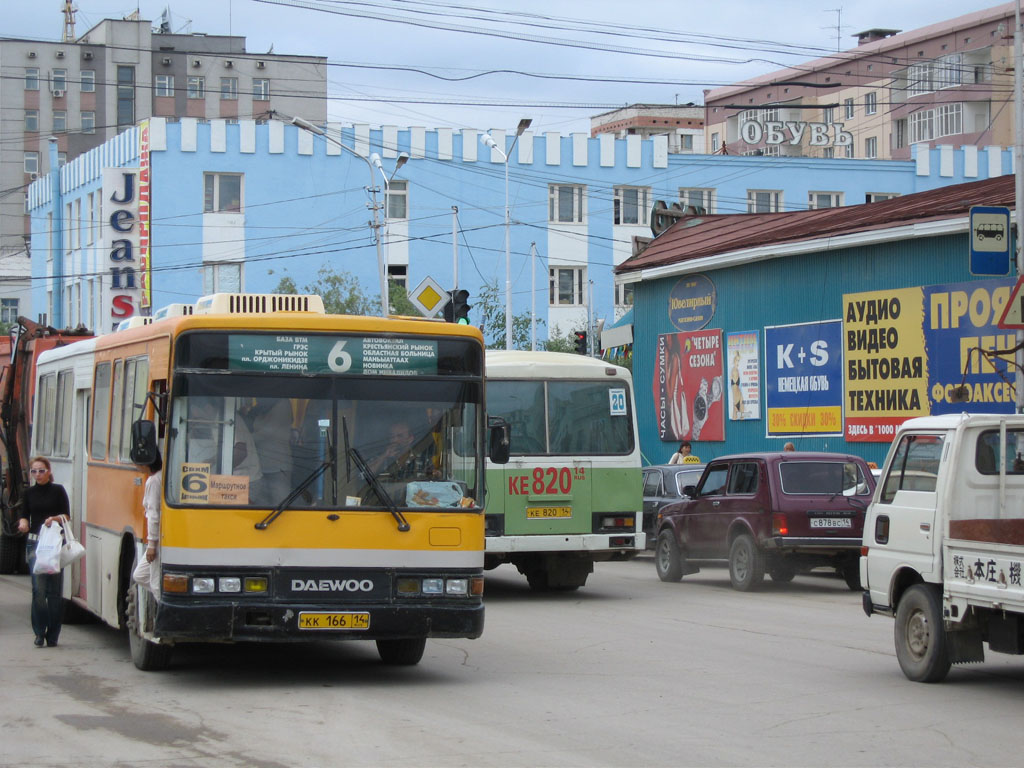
548	512
831	522
334	620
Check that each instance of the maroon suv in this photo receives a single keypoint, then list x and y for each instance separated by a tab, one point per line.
775	512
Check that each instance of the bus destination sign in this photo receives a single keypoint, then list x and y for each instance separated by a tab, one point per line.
358	355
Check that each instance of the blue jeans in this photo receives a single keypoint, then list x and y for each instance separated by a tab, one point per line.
47	606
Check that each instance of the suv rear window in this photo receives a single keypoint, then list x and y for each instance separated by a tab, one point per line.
823	477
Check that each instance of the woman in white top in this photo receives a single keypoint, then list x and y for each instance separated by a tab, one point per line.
147	573
679	457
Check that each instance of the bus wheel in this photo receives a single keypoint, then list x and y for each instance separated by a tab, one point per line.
404	653
146	655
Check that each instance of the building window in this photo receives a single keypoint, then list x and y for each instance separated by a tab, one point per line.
848	108
62	158
900	136
90	224
624	294
771	114
398	200
228	88
32	78
8	310
222	193
871	147
698	198
125	96
919	79
818	200
398	274
88	81
631	205
686	142
565	286
31	162
715	142
949	120
165	85
196	87
88	122
565	203
60	121
877	197
222	277
870	103
828	153
828	115
949	71
922	126
764	200
261	89
32	120
849	150
59	81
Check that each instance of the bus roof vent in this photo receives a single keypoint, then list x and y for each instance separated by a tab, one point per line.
257	304
173	310
133	322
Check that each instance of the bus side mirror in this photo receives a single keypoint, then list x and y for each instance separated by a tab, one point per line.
143	444
498	448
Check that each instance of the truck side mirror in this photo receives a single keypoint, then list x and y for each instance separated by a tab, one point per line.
143	442
498	440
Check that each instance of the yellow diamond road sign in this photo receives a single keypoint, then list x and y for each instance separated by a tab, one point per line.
429	297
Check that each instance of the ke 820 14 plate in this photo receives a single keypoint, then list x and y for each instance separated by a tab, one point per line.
315	621
831	522
533	513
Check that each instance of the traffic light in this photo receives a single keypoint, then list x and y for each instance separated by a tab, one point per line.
457	308
581	342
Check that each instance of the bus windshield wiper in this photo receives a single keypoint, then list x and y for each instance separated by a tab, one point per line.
383	495
298	489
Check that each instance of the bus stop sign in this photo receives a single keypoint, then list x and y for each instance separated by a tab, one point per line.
990	240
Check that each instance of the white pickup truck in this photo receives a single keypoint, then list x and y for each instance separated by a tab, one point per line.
944	541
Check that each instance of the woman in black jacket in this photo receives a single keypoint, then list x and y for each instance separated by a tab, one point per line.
45	503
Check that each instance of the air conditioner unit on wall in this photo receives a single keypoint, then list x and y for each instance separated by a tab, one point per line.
87	55
228	63
58	93
197	62
31	54
60	54
261	64
167	61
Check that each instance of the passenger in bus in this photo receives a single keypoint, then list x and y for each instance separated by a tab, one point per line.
147	572
45	503
272	432
403	458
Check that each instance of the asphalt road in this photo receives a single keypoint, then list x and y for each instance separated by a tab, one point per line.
626	671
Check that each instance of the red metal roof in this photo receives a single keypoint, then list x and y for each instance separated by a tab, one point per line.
695	237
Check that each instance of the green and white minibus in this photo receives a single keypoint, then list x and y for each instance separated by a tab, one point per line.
571	494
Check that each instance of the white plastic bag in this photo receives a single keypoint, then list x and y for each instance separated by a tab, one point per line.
72	551
48	548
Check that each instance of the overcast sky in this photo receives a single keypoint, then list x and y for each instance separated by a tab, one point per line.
486	64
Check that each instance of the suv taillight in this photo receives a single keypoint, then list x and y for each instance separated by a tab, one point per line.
779	525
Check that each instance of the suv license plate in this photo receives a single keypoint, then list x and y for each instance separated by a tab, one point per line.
548	512
334	620
831	522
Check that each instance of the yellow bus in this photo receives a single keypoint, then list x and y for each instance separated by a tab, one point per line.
285	512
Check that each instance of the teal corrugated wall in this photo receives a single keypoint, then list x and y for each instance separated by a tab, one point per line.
796	289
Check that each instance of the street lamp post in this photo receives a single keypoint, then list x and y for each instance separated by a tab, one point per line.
403	158
489	141
316	129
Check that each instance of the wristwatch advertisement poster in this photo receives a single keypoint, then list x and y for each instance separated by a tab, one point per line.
689	393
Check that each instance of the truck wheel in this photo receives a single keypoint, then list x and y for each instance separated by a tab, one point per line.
668	562
920	636
746	564
403	653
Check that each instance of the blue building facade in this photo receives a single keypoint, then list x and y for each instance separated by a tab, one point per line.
224	206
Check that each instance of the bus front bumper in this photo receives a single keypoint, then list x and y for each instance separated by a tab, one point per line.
180	620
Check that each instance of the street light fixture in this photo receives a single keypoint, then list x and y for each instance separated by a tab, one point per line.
403	158
317	130
489	141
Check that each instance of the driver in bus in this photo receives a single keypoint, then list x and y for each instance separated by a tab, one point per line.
403	457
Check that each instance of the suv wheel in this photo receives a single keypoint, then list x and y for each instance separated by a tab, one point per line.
668	561
746	564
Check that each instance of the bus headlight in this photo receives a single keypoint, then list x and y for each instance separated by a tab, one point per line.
229	584
456	587
202	585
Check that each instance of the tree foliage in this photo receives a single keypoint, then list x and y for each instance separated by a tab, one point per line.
343	294
488	314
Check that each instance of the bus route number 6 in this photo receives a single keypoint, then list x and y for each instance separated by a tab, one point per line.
338	360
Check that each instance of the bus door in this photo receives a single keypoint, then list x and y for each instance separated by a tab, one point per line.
79	473
550	497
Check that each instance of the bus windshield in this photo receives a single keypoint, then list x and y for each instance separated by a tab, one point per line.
563	417
251	438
